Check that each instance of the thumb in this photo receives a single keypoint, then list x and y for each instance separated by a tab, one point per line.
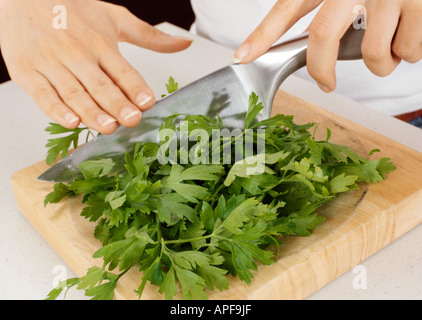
142	34
278	21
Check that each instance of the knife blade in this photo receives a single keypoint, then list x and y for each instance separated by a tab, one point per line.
224	92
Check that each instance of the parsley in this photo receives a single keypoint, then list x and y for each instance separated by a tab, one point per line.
60	146
194	224
171	86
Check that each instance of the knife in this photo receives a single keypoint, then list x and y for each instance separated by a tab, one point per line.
224	92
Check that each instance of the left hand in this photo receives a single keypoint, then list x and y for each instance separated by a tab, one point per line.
393	33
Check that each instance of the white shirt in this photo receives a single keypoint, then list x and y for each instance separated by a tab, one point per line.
229	22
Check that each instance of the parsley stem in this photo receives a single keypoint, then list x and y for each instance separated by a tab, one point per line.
123	273
217	191
196	239
187	240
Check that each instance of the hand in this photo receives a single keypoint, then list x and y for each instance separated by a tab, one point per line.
393	33
77	74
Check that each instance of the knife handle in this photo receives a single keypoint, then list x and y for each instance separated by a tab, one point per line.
284	59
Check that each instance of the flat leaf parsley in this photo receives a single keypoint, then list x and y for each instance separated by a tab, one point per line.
185	227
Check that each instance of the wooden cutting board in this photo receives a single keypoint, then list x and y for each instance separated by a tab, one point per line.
358	223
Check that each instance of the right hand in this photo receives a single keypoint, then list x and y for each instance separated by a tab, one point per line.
393	34
78	74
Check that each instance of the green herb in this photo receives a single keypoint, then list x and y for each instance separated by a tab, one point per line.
171	86
60	146
194	224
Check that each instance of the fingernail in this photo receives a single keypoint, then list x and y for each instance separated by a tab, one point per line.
105	120
183	38
70	117
129	112
324	88
142	99
241	53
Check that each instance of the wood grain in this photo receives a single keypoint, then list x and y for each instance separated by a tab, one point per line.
358	223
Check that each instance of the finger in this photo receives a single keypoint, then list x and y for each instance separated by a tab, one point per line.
140	33
281	18
46	97
106	94
74	95
407	43
325	32
127	79
382	23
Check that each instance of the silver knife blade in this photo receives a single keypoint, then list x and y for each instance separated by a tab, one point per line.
220	93
224	93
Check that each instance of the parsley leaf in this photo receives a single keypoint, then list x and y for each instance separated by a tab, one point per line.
60	146
171	86
188	226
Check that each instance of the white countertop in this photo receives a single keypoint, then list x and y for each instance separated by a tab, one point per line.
29	267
